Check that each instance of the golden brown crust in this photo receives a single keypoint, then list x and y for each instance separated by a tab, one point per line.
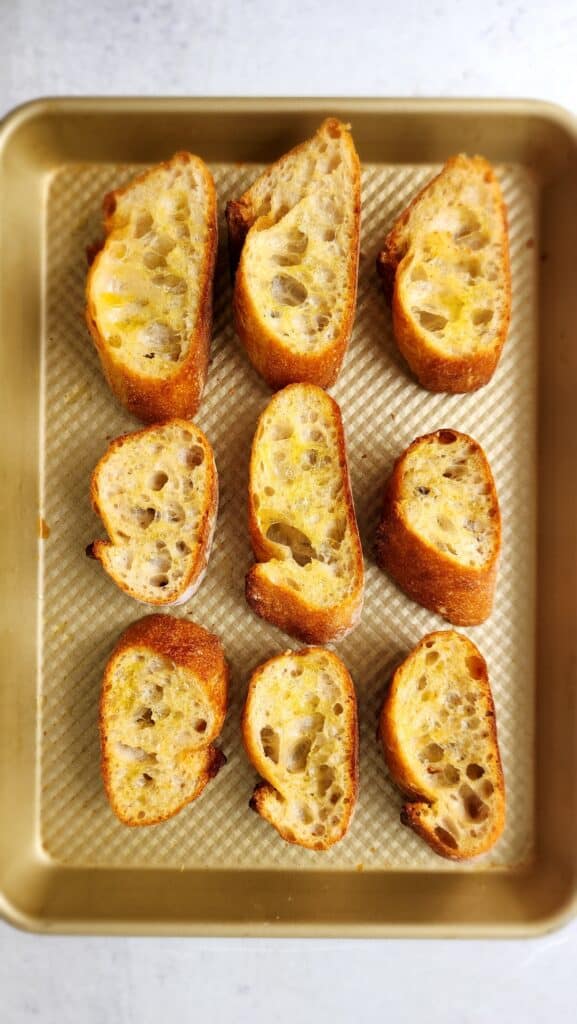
265	790
461	594
275	361
282	606
192	647
153	399
205	526
239	218
397	762
448	373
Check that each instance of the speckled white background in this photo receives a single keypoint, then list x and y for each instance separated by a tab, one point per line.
263	47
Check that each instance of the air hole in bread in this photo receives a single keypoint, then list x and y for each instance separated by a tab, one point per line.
171	283
147	779
322	321
316	435
432	657
434	322
297	758
432	752
337	530
422	683
449	776
200	725
281	431
482	317
299	544
182	547
269	491
143	516
467	223
328	235
336	795
288	291
486	788
445	524
453	699
294	245
162	243
158	480
475	771
159	339
318	830
303	814
174	513
325	778
446	838
476	808
160	563
159	581
136	754
309	458
142	223
194	456
153	260
145	718
115	341
330	164
474	723
270	742
418	273
338	708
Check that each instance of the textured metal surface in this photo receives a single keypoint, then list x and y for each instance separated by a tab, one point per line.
383	410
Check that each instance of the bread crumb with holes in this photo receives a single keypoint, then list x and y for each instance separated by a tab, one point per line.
300	732
439	738
157	493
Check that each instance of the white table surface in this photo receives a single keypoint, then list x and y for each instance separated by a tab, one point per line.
263	47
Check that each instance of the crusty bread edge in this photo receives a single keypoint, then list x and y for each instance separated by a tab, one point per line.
435	371
400	770
153	399
266	788
188	645
282	606
272	359
461	594
206	528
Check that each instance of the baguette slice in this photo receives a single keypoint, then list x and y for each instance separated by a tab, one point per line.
297	229
300	731
440	531
310	576
156	492
149	290
439	739
163	703
446	263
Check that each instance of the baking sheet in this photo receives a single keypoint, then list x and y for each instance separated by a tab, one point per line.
82	612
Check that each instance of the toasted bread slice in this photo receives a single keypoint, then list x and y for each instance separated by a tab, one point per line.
156	492
446	261
297	229
439	739
440	532
310	576
300	731
163	704
149	290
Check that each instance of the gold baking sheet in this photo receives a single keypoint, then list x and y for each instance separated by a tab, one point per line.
217	868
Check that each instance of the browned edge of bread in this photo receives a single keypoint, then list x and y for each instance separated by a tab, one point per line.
411	812
205	528
461	594
150	400
264	789
451	374
193	647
